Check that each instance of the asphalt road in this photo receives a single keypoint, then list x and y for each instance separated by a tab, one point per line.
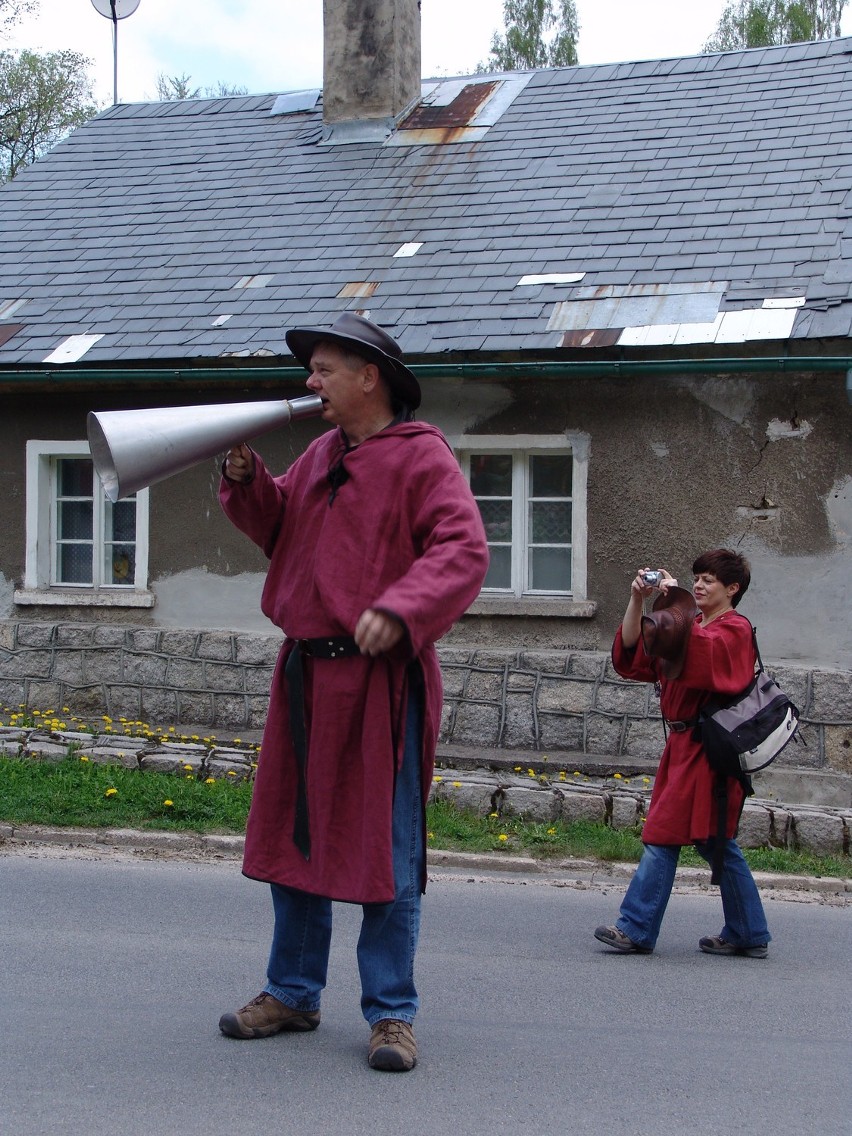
115	971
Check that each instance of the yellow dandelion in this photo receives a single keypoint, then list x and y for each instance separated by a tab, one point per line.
551	832
168	803
457	784
493	815
83	757
430	835
188	767
531	772
111	793
503	836
231	773
210	781
616	776
439	778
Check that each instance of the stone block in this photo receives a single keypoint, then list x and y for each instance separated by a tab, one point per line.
644	738
159	706
35	634
454	656
224	770
755	830
216	645
258	709
818	832
68	668
143	640
106	635
45	749
160	762
223	677
257	650
626	811
621	698
125	702
181	644
521	681
780	827
582	806
603	735
838	748
454	679
86	701
102	664
485	686
144	670
794	681
118	755
230	712
185	674
561	732
566	695
7	636
28	664
588	664
544	662
493	660
476	724
805	751
533	804
74	635
471	796
519	726
13	694
258	680
45	695
832	696
194	708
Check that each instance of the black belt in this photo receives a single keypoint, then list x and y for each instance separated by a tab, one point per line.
681	727
329	647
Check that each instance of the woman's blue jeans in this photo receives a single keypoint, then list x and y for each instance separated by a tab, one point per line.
645	901
298	961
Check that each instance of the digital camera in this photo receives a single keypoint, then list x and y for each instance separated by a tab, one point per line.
652	579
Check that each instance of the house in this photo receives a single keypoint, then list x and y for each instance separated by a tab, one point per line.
626	290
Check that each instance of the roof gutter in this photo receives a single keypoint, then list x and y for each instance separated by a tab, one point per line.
501	371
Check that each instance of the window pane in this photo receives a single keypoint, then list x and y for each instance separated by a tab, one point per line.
74	520
75	564
497	518
550	569
74	477
550	475
120	564
499	573
491	475
120	520
550	522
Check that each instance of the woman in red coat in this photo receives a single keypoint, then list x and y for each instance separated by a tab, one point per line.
716	657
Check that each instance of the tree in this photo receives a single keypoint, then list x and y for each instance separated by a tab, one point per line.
761	23
173	87
11	11
42	98
538	33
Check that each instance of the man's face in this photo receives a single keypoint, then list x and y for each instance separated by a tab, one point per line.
338	380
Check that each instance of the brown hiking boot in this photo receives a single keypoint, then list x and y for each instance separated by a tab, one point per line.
264	1016
392	1046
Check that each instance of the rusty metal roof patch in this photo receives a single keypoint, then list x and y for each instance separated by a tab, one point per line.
364	288
457	110
7	330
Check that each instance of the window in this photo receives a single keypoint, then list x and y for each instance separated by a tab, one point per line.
531	492
81	548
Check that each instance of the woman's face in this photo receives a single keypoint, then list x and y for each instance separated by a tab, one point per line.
711	594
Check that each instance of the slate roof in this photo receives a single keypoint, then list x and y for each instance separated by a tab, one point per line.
696	200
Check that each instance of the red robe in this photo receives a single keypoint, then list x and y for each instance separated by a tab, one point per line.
720	660
403	535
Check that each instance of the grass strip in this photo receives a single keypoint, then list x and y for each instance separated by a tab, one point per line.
78	793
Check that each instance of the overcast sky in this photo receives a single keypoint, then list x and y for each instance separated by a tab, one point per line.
276	45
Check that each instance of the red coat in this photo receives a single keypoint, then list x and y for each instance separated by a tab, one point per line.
403	535
720	660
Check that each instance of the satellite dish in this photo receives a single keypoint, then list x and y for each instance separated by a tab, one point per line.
115	10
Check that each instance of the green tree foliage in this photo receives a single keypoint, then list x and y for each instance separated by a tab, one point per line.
761	23
538	33
42	98
173	87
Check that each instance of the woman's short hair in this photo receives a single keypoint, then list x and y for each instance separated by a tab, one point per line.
728	567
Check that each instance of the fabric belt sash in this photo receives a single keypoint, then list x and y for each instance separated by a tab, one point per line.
329	647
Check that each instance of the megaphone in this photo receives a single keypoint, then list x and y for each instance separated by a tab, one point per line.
134	448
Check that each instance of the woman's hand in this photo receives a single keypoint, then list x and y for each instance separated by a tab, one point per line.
239	464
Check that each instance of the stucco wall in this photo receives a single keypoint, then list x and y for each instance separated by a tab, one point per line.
761	463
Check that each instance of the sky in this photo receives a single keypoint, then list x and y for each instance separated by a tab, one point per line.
276	45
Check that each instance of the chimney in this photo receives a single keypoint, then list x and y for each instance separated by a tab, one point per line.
371	67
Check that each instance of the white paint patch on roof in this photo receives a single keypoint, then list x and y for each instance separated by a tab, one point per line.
784	302
408	249
72	349
9	308
551	278
254	281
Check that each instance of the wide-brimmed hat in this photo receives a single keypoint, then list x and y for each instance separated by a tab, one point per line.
354	333
666	631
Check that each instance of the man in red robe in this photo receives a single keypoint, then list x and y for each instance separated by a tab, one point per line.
376	548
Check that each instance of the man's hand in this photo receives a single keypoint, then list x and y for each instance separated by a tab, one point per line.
376	632
239	464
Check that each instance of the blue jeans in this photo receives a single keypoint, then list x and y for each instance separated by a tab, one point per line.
645	901
298	961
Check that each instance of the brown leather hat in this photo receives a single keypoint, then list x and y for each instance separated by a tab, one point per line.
355	333
666	631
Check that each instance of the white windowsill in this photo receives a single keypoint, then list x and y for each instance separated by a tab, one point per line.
71	597
534	606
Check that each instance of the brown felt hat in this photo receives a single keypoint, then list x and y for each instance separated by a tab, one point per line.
666	631
354	333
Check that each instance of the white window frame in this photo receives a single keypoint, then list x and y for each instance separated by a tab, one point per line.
520	446
37	588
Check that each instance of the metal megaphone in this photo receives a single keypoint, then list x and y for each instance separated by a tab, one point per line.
134	448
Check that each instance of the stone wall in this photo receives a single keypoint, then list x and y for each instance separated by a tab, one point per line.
548	702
